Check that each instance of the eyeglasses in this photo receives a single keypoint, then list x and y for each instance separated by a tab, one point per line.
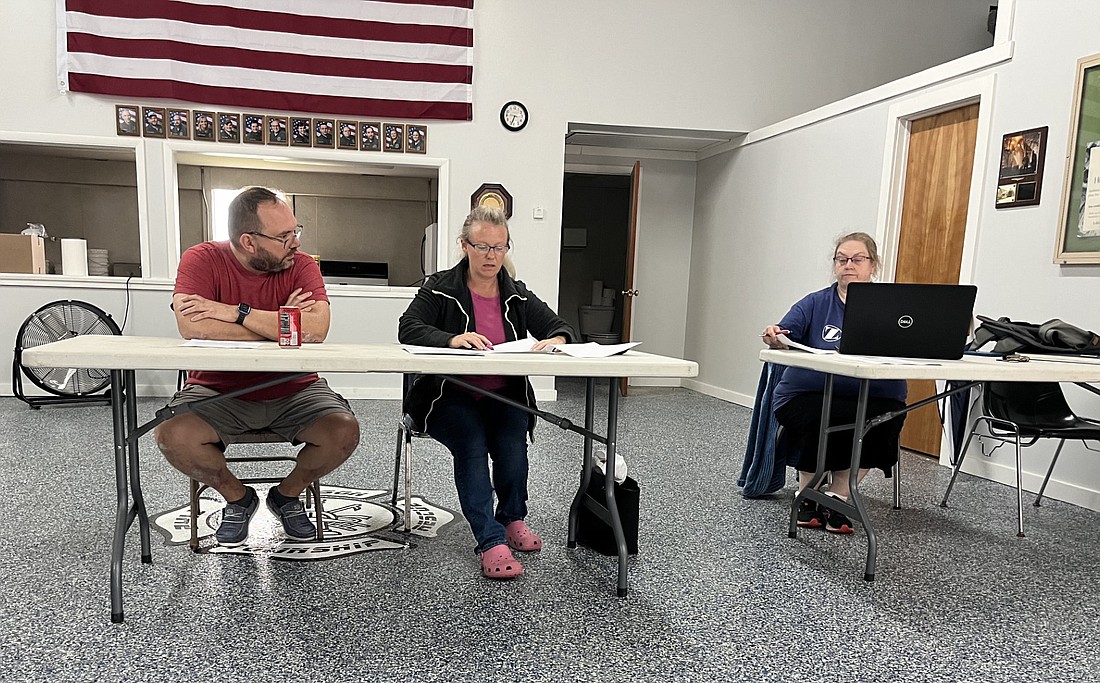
485	248
843	260
285	238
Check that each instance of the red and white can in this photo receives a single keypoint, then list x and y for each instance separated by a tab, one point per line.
290	326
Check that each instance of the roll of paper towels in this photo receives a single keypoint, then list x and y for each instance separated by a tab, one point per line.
74	257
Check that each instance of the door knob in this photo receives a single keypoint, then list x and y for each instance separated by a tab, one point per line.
629	292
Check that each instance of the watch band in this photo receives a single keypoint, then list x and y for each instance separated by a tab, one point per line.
242	311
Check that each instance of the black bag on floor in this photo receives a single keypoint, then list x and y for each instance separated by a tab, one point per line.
596	534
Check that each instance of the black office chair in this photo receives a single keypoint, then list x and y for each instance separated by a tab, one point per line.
313	492
1021	413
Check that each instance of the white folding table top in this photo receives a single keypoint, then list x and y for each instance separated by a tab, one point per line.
161	353
1040	368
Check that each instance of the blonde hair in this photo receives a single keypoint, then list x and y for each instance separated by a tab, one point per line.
493	216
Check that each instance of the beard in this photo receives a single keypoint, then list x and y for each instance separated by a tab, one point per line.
265	262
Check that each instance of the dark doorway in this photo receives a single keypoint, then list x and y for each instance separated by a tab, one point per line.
595	213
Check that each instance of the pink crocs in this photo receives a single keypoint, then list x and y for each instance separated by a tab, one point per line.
521	538
498	563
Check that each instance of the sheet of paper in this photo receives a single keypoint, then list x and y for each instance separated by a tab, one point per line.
517	346
442	351
594	350
219	344
801	347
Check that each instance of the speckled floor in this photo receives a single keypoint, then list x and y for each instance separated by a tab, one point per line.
718	593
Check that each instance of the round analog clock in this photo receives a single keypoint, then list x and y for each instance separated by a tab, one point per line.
513	115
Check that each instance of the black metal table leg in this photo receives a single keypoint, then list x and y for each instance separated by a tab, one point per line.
609	483
854	498
122	510
586	465
135	470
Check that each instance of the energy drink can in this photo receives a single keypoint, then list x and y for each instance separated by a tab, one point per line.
290	326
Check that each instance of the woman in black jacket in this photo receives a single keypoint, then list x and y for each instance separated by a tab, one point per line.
474	305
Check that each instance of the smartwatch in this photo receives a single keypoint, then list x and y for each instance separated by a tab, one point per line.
242	311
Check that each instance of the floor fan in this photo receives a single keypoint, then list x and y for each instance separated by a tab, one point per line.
55	321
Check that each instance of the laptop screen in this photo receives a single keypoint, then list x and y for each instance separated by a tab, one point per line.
907	320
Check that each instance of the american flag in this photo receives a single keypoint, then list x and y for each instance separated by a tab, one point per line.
410	59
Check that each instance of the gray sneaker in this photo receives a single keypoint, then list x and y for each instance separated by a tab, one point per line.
233	529
296	523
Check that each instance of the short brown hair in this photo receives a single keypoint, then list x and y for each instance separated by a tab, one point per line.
243	217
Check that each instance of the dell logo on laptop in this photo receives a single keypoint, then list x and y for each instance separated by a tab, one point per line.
905	322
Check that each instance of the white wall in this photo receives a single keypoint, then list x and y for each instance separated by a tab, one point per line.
728	66
766	214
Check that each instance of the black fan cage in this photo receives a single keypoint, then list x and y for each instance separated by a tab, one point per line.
59	320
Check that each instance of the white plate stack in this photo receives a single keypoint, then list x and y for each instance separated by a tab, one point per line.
97	262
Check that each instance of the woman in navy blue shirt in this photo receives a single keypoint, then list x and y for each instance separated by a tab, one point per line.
816	320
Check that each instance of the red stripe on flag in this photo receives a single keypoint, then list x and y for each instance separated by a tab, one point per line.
272	61
275	21
264	99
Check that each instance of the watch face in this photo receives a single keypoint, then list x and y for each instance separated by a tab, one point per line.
514	116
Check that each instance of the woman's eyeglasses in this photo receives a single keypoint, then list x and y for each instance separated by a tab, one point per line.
285	238
485	248
843	260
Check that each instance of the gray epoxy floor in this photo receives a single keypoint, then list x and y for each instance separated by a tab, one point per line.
718	592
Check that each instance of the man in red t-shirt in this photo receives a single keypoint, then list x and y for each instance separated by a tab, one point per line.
232	291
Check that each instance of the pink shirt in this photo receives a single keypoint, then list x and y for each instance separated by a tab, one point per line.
489	322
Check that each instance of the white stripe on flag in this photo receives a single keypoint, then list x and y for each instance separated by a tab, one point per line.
388	12
258	79
267	41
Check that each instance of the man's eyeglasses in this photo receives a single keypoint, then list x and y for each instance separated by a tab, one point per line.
485	248
843	260
285	238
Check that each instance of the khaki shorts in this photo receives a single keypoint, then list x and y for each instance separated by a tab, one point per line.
286	416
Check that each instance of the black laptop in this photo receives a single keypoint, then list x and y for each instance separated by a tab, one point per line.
908	320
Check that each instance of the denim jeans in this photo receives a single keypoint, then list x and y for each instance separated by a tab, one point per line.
475	431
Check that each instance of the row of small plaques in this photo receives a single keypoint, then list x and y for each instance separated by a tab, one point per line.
265	129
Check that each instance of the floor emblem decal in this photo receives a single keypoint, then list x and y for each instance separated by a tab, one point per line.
355	521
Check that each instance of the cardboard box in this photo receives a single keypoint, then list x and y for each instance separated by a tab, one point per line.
22	254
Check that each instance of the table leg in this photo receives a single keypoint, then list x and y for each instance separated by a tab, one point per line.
609	483
819	473
853	481
135	470
122	510
586	464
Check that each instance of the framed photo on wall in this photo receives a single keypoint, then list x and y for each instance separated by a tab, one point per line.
299	132
370	136
276	130
204	125
1079	229
253	130
152	122
126	119
393	137
229	127
417	140
1020	175
348	137
179	124
323	133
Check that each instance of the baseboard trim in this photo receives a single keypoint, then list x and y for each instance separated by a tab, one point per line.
718	392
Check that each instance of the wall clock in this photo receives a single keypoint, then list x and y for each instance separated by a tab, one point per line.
493	195
513	115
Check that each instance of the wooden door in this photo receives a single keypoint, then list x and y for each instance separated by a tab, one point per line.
933	226
628	290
